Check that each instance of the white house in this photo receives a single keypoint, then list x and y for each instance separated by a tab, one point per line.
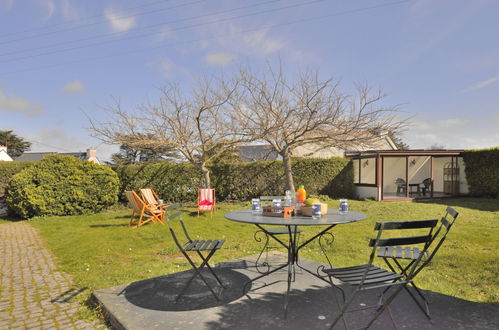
4	156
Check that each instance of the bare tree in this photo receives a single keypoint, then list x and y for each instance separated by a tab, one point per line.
294	113
195	124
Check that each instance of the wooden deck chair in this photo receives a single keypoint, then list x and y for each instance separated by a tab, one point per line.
206	200
147	212
151	198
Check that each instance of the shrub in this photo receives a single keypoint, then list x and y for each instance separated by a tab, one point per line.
240	181
482	171
62	185
7	170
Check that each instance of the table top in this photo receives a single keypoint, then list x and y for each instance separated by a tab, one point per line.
333	217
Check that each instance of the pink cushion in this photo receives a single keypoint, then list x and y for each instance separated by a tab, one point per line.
205	202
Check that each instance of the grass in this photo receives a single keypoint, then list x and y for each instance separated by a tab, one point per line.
101	251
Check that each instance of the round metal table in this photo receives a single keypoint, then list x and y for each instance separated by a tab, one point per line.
329	220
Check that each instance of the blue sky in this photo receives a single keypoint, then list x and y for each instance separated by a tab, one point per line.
60	59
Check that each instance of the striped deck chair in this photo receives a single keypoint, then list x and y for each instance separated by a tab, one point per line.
147	212
151	198
206	200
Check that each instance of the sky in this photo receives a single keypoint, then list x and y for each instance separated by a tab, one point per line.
64	61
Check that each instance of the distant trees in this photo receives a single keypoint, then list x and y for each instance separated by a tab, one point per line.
15	144
397	140
129	155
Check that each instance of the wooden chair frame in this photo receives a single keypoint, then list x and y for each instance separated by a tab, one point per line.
151	198
145	211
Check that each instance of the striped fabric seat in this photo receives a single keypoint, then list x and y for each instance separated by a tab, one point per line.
145	211
206	200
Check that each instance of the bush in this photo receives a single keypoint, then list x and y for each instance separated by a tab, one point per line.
62	185
482	171
240	181
7	170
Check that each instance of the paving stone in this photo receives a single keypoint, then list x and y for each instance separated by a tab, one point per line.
29	280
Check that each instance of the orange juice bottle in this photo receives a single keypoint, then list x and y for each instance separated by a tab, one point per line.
301	194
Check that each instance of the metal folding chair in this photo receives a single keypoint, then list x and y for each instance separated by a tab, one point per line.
368	277
209	246
270	231
395	257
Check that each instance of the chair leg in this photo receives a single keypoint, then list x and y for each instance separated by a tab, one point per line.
211	269
344	308
387	302
197	272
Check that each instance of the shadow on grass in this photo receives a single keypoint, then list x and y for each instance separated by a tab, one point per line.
113	225
482	204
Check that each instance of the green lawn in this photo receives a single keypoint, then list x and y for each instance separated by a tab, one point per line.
101	251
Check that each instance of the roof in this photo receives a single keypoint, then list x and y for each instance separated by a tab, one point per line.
37	156
413	152
251	153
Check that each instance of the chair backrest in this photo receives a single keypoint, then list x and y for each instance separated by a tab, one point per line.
206	194
427	182
149	196
446	223
134	201
400	181
379	241
173	213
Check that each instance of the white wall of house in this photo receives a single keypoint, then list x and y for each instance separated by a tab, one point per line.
4	156
366	192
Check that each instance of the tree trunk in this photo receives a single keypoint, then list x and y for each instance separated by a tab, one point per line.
206	175
286	160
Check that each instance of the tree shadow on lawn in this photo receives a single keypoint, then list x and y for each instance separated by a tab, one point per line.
482	204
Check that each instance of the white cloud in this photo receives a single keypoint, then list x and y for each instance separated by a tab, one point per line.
482	84
49	6
74	86
118	22
17	104
453	133
219	58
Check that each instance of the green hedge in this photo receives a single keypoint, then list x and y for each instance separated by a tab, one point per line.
482	171
61	185
240	181
7	170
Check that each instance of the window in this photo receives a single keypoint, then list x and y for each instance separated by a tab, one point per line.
364	171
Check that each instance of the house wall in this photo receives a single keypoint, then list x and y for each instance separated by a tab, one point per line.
4	156
366	192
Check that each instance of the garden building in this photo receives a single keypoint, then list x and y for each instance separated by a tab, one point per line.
408	174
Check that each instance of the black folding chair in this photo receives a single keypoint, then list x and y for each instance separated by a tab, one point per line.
395	256
368	277
210	246
270	231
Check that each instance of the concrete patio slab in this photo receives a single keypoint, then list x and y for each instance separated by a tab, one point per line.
149	304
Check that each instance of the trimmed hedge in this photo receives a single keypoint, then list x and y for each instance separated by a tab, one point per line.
240	181
482	171
62	185
7	170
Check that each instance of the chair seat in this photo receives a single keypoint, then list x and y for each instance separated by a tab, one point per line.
353	275
399	252
281	230
202	245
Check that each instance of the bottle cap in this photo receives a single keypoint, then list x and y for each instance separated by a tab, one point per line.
301	186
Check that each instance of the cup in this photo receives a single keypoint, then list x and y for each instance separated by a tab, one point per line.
343	206
160	201
316	211
255	205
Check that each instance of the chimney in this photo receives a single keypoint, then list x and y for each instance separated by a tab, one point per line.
92	156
